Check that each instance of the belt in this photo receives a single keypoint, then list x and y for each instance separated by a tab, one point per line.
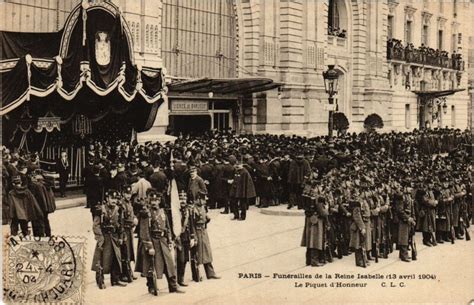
109	230
158	234
200	227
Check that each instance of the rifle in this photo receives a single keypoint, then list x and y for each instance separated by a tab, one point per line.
194	262
377	240
152	271
414	252
100	273
364	253
453	233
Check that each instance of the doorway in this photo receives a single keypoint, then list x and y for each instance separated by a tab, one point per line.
190	124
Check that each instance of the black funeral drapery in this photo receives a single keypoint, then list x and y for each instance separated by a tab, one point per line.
39	45
45	72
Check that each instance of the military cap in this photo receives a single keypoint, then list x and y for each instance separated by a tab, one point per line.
112	193
153	193
16	180
127	189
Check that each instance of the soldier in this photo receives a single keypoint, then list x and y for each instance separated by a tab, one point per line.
264	182
343	223
299	170
405	211
156	243
427	213
201	252
459	192
241	191
129	221
360	219
185	241
108	234
23	207
444	212
314	229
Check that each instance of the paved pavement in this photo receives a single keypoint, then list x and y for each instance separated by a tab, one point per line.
269	245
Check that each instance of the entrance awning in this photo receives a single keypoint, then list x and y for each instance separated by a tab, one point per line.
429	94
235	86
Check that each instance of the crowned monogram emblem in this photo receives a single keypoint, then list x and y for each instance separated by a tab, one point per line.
102	48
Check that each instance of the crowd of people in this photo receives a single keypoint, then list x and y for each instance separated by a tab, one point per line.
361	193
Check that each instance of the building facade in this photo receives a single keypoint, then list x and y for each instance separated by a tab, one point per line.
292	43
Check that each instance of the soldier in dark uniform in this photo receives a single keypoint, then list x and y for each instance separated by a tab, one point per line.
405	210
299	171
202	249
342	223
223	194
241	191
87	173
264	182
185	241
314	229
444	212
95	189
129	221
23	207
108	233
156	242
206	173
360	219
284	169
427	203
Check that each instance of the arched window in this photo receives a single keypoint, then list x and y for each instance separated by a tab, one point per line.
333	17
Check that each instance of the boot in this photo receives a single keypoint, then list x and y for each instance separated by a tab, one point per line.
100	280
404	254
439	238
369	257
308	256
151	289
357	258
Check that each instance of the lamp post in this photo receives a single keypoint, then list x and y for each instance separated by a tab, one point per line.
331	77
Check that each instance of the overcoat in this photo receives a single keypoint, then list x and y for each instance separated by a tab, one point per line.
156	222
23	205
107	233
242	186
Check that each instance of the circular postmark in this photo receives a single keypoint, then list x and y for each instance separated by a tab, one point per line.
42	270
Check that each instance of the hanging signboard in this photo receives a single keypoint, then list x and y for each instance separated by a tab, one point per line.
180	106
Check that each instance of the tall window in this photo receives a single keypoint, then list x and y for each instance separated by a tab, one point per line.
408	26
424	35
333	15
390	27
453	116
440	40
211	31
407	116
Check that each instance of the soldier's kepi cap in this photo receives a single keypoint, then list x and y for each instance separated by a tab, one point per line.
127	189
153	193
113	193
16	180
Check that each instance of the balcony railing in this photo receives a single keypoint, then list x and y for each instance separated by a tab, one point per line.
423	55
337	32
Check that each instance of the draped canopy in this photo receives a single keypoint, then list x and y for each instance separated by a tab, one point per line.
88	66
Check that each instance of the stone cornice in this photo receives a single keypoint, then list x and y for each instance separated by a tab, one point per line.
426	17
409	11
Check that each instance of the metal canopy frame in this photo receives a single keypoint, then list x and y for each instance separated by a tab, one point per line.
224	85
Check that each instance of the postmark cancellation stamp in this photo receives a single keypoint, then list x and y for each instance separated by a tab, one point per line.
44	270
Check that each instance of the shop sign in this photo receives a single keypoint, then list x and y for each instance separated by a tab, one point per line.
189	106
